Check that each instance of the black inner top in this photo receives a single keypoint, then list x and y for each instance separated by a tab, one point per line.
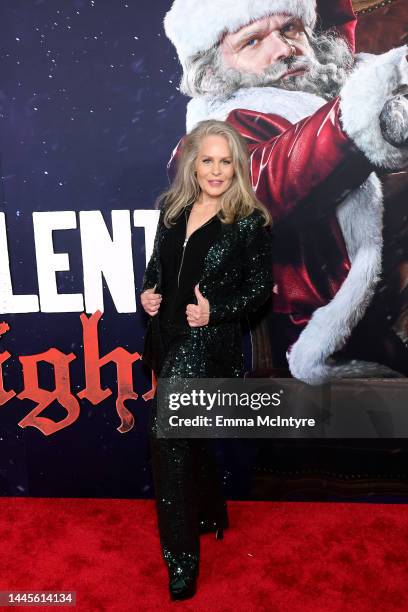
182	270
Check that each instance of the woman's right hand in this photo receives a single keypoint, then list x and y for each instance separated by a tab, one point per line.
151	301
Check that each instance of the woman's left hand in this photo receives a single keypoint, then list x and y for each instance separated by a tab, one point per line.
198	314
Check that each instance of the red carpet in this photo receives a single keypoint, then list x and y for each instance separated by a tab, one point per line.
275	556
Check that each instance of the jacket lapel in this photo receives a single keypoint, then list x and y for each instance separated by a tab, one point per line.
214	252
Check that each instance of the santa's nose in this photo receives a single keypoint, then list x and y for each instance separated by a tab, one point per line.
280	49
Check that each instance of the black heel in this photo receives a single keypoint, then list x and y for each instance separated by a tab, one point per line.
219	534
216	524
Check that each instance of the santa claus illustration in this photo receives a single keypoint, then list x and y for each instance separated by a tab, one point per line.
322	124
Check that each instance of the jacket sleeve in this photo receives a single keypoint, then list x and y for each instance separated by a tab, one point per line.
308	164
151	275
256	285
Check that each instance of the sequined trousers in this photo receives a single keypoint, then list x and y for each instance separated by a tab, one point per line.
185	474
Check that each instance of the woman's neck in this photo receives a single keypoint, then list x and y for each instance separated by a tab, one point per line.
206	202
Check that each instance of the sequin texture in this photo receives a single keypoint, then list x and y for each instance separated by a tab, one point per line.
236	279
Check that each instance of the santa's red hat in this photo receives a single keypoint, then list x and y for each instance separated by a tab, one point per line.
338	14
194	26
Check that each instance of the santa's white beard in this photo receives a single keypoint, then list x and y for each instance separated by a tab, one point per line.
324	74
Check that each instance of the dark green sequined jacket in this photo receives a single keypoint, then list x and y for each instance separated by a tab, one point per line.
236	280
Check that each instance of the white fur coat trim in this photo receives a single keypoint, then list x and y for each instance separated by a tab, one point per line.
292	105
360	219
197	25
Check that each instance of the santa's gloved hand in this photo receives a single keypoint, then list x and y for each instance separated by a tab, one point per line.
374	108
394	121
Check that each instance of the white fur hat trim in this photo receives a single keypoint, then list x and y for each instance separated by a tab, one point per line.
196	25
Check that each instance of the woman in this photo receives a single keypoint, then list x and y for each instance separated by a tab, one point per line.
211	265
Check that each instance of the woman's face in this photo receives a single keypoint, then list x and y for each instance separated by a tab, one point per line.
214	166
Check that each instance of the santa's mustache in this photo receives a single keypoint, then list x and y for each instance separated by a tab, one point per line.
322	79
278	71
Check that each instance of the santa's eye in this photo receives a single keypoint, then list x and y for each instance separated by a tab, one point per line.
251	42
291	30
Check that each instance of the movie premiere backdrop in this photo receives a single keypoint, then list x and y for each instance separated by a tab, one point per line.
90	112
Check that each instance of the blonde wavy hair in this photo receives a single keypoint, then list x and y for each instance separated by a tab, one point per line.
237	202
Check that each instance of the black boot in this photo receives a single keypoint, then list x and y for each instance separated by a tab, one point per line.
183	573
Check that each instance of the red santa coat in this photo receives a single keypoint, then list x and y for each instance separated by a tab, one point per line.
302	172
